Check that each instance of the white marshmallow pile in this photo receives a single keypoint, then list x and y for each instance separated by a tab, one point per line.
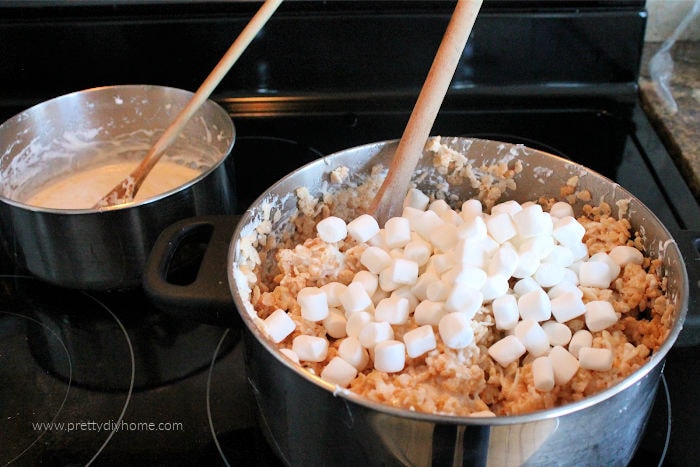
434	269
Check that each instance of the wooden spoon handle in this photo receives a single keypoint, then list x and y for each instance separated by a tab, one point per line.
205	89
387	202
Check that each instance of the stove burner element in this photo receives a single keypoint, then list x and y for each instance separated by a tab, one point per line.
243	443
47	396
21	323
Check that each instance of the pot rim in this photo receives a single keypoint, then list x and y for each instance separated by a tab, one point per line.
122	206
655	359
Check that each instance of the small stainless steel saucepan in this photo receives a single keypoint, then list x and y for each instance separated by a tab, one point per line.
105	249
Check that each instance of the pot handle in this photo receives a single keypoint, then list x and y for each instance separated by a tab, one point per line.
689	245
207	297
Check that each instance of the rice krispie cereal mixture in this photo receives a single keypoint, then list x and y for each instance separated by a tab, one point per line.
487	308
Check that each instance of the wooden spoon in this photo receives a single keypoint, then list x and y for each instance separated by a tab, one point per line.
127	188
388	200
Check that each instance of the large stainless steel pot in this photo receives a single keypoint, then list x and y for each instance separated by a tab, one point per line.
106	248
309	422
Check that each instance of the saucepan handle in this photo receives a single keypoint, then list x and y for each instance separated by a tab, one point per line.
206	297
689	244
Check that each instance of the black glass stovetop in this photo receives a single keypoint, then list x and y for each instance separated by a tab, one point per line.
110	378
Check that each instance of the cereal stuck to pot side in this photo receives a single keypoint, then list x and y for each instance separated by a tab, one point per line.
490	307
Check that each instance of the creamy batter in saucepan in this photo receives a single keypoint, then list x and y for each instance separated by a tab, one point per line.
82	189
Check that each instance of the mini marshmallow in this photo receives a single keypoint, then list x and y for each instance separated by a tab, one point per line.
333	290
363	227
530	221
508	207
505	312
405	292
605	258
495	286
456	330
465	274
600	315
557	333
439	206
335	323
470	209
389	356
375	332
623	255
352	352
397	232
369	281
527	264
289	353
561	209
393	310
548	274
378	241
444	238
420	288
438	291
567	306
568	231
581	338
564	364
418	250
416	199
419	340
403	271
440	263
355	298
503	261
429	312
570	276
332	229
482	414
507	350
375	259
594	274
464	299
525	285
564	287
560	255
474	228
279	325
339	372
427	222
472	252
539	245
310	348
386	282
535	305
501	227
411	213
313	303
595	358
451	217
543	374
356	322
579	250
532	336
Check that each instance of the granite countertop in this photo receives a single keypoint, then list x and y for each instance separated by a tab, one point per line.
680	131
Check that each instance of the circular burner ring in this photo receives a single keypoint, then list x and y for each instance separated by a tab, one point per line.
14	293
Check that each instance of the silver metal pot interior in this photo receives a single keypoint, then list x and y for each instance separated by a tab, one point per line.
89	128
603	428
